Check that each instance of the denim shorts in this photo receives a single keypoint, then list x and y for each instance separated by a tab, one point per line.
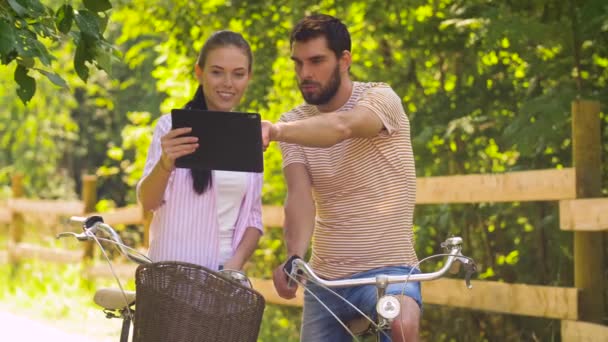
319	325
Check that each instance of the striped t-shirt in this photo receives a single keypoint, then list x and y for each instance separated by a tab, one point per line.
364	189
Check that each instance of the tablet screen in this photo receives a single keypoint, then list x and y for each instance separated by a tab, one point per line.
230	141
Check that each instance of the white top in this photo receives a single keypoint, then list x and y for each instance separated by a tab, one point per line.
231	188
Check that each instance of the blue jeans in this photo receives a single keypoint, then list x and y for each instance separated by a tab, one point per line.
319	325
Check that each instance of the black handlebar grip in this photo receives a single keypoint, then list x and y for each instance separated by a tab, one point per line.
92	220
288	268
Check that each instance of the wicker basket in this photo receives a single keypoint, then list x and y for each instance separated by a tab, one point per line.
182	302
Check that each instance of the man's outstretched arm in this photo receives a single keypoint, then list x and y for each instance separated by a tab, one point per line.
326	129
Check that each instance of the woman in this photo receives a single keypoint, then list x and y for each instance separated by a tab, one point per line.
210	218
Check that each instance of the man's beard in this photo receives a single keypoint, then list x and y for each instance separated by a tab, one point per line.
326	93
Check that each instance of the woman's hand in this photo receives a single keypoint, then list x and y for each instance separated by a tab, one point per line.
233	265
174	145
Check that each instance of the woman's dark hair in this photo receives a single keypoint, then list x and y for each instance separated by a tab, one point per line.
322	25
201	179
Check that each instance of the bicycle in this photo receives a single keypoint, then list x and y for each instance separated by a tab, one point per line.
387	306
175	301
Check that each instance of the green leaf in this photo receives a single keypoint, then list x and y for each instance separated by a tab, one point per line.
27	84
103	22
7	38
27	62
116	153
18	8
103	59
64	18
35	7
104	56
31	47
88	23
97	5
28	8
80	57
53	77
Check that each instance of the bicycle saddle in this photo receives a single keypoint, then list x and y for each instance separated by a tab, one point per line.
113	299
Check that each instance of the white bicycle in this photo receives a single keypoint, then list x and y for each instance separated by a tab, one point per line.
387	306
176	301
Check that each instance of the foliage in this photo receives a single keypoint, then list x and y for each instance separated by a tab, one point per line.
83	127
487	86
35	143
27	27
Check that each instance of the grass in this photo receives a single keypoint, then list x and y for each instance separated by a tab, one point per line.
62	296
55	293
59	294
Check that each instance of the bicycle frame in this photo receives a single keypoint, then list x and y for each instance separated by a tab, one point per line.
388	306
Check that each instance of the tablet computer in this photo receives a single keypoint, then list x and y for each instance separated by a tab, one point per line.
230	141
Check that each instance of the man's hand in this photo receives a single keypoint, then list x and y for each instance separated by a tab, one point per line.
280	283
269	132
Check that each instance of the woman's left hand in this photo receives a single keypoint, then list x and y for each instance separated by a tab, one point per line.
233	265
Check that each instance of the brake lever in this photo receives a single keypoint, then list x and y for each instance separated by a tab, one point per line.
470	269
80	237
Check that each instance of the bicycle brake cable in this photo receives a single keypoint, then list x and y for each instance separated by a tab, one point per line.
331	312
417	265
122	290
130	249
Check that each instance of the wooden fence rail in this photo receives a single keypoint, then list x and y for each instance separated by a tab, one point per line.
584	215
519	299
580	212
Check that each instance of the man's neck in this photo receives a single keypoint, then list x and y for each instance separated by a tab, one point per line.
341	97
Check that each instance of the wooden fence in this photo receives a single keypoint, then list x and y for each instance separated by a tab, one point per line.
577	189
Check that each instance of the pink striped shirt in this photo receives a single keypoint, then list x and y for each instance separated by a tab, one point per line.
185	227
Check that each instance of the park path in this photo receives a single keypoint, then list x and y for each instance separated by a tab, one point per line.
15	327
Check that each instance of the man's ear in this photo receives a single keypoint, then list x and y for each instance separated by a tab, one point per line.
198	72
345	61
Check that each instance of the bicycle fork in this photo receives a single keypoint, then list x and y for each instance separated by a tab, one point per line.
126	325
125	314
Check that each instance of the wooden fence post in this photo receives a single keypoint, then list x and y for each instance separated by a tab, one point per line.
589	265
89	199
16	225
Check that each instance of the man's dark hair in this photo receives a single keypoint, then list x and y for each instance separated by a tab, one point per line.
322	25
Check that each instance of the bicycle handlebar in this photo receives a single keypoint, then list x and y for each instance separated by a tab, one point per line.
296	267
91	225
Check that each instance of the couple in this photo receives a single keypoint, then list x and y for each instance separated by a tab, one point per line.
349	168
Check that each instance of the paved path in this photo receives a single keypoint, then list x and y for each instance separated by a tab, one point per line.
20	328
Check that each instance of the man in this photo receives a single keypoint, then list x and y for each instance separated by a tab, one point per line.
347	158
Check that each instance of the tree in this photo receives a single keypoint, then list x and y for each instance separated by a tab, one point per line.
27	28
487	85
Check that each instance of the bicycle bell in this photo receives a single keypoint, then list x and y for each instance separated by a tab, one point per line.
388	307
